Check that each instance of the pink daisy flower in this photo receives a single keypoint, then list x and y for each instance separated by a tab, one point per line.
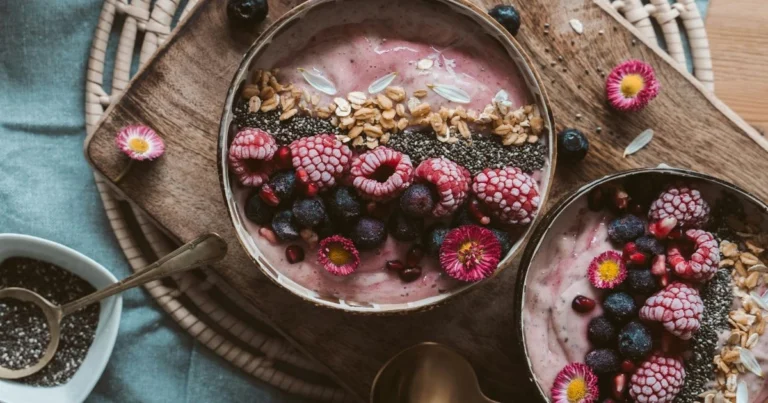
139	142
607	270
470	253
576	383
631	86
338	255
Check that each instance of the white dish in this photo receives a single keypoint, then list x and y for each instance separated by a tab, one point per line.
81	384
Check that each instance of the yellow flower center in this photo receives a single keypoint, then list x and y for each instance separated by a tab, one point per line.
338	255
467	251
631	85
138	145
608	270
577	390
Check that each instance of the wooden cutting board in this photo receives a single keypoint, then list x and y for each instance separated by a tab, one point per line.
181	92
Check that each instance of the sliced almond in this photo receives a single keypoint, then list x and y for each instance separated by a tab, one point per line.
420	93
289	114
749	259
372	131
422	109
357	97
250	91
388	114
402	123
400	109
355	131
729	249
384	102
271	103
343	108
395	93
385	138
503	130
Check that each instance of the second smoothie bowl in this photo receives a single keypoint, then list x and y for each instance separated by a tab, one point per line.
374	162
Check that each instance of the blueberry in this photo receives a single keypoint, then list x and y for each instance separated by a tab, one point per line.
369	233
601	332
434	237
603	361
308	213
503	238
257	211
572	144
326	228
247	11
641	281
619	307
284	185
343	205
404	228
649	244
507	16
417	200
625	229
635	342
284	226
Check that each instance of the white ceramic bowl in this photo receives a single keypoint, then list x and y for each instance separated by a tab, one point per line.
80	386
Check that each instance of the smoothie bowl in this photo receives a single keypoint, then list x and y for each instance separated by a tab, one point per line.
372	162
648	286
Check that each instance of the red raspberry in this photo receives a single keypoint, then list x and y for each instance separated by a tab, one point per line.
248	155
451	181
704	260
323	157
511	195
381	174
682	202
678	307
658	379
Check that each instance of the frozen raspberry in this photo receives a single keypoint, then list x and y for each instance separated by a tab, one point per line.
703	252
249	153
658	379
451	182
678	307
381	174
684	203
323	157
511	195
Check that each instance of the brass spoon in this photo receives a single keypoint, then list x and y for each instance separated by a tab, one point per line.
427	373
203	250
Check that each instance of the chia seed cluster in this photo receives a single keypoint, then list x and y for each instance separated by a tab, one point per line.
24	332
285	131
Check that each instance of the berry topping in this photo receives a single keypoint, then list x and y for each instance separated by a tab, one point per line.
283	185
631	86
410	274
308	213
449	180
326	228
684	203
635	341
507	16
619	307
658	380
477	212
619	386
343	205
697	259
381	174
140	143
338	255
603	361
434	238
510	195
414	255
294	254
417	200
284	226
504	240
470	253
641	281
628	367
575	383
572	144
583	304
249	153
625	229
394	265
601	332
323	157
369	233
678	307
257	211
649	245
404	228
283	158
247	11
607	270
633	256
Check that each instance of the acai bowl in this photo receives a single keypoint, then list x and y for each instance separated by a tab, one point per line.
374	162
647	286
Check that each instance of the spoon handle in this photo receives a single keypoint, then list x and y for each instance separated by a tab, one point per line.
206	249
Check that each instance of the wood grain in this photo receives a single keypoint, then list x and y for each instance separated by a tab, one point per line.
180	94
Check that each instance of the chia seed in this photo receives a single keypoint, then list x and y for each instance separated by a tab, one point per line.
24	332
285	131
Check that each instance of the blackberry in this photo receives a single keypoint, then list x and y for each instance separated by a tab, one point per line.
257	211
625	229
620	307
601	332
284	226
649	244
343	204
504	240
247	11
369	233
635	341
434	237
283	184
641	281
603	361
507	16
417	200
308	213
572	144
404	228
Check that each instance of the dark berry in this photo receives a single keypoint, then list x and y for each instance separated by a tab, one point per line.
414	255
404	228
507	16
417	200
572	144
294	254
247	11
603	361
504	240
583	304
635	341
284	185
463	217
257	211
284	226
308	213
434	238
649	244
625	229
410	274
369	233
596	199
343	205
620	307
326	228
641	281
394	265
601	332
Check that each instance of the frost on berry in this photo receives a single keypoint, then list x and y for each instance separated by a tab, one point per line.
658	380
696	257
249	153
450	180
381	174
684	203
323	157
511	195
678	307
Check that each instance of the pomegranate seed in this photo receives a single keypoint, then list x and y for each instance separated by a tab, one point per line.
659	265
627	367
621	199
619	386
596	199
282	158
661	229
302	176
410	274
477	213
310	190
664	280
294	254
395	265
414	255
583	304
268	195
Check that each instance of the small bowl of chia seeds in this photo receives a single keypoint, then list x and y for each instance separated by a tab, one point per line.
60	275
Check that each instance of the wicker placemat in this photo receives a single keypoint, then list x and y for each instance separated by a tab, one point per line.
202	304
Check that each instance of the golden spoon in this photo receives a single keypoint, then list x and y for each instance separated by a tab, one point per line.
203	250
427	373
